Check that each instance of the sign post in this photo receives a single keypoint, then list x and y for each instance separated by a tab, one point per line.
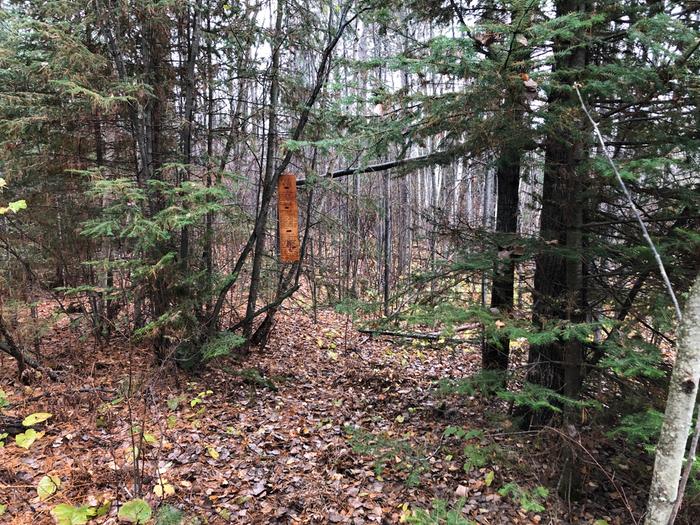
288	213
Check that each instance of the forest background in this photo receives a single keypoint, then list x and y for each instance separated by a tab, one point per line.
452	192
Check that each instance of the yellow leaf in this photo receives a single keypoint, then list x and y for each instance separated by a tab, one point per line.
213	452
37	417
47	487
27	438
164	489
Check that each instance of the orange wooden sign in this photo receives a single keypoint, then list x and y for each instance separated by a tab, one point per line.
288	213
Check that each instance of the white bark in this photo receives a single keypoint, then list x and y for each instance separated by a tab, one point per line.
677	419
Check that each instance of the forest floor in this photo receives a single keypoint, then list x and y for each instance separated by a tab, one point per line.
324	425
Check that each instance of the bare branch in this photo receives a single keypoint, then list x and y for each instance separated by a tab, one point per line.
633	206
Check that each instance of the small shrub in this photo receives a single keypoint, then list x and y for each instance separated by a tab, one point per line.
530	501
386	451
440	514
169	515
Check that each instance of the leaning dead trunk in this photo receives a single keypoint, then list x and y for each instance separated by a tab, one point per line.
680	404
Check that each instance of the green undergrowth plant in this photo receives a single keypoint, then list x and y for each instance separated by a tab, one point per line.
169	515
536	397
442	513
191	354
641	428
65	514
255	378
145	222
12	206
447	315
399	454
529	500
530	396
632	357
200	398
484	383
476	449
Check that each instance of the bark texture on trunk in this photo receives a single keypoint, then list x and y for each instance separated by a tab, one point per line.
558	293
494	355
682	394
269	180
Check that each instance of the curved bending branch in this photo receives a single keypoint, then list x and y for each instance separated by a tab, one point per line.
633	206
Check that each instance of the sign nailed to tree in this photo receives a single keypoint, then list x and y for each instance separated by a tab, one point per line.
288	214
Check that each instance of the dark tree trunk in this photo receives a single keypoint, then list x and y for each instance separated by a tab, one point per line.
558	271
268	183
187	130
494	355
558	293
8	345
156	39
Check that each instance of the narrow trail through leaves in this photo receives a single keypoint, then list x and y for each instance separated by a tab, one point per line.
322	426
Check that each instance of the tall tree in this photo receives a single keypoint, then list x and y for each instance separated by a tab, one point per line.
515	136
558	287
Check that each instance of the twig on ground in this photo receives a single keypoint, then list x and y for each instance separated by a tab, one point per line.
617	488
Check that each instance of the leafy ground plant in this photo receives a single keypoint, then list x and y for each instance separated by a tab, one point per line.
135	511
169	515
385	451
530	501
477	452
440	514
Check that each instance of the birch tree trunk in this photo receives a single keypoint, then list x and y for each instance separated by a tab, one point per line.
682	393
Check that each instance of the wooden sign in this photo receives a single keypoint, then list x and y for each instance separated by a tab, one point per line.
288	214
